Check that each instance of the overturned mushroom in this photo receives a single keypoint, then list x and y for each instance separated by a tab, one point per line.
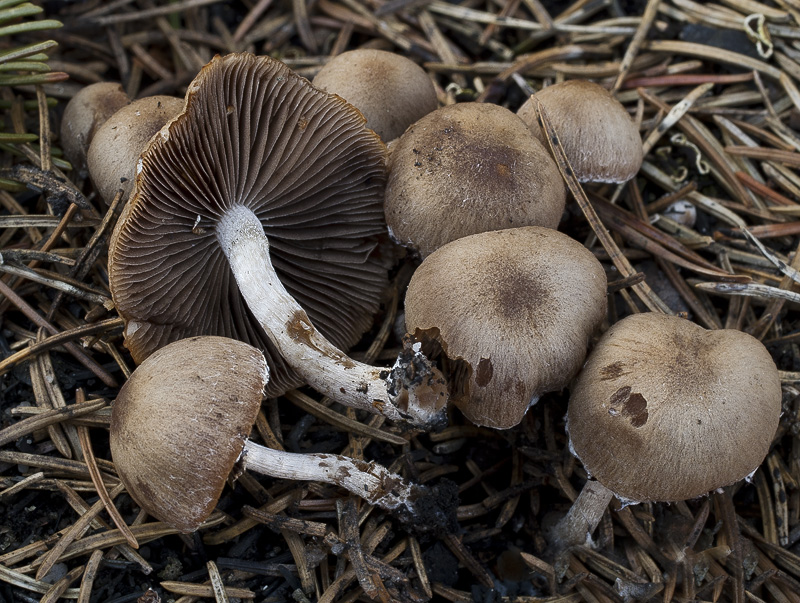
665	410
260	170
115	147
599	137
180	423
468	168
512	311
391	90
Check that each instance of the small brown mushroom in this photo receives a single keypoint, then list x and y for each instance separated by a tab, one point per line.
599	138
468	168
114	152
665	410
89	109
180	424
512	311
390	90
256	215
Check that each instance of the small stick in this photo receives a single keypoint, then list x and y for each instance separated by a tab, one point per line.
48	417
626	269
283	522
779	490
529	63
79	355
649	15
370	581
94	472
711	53
685	79
204	590
750	290
85	592
674	115
419	566
75	531
57	590
217	585
108	326
336	419
778	263
765	191
250	19
22	484
149	13
790	158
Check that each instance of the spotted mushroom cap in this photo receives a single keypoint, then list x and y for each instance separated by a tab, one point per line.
513	311
391	90
600	139
467	168
665	410
256	134
180	423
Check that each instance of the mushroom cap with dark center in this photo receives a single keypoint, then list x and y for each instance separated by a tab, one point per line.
391	90
255	134
89	109
116	145
665	410
513	311
599	138
467	168
180	423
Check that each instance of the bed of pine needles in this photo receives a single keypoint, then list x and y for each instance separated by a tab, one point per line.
715	88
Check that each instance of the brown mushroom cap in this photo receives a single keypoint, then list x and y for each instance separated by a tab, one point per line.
665	410
390	90
174	450
467	168
599	137
84	114
114	152
254	134
513	311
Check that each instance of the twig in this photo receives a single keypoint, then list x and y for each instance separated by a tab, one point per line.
643	290
34	316
94	472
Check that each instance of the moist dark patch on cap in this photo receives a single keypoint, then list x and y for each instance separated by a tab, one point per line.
629	405
484	373
615	370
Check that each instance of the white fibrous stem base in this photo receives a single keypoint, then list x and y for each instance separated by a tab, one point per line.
412	390
581	520
370	481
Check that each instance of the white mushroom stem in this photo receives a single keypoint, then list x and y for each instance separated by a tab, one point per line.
581	520
370	481
412	390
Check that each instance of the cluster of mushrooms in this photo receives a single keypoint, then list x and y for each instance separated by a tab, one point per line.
264	215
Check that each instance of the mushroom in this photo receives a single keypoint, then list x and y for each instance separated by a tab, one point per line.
116	145
467	168
180	424
665	410
89	109
600	139
512	311
263	168
390	90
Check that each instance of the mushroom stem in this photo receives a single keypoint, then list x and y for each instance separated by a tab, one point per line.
577	525
370	481
413	390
